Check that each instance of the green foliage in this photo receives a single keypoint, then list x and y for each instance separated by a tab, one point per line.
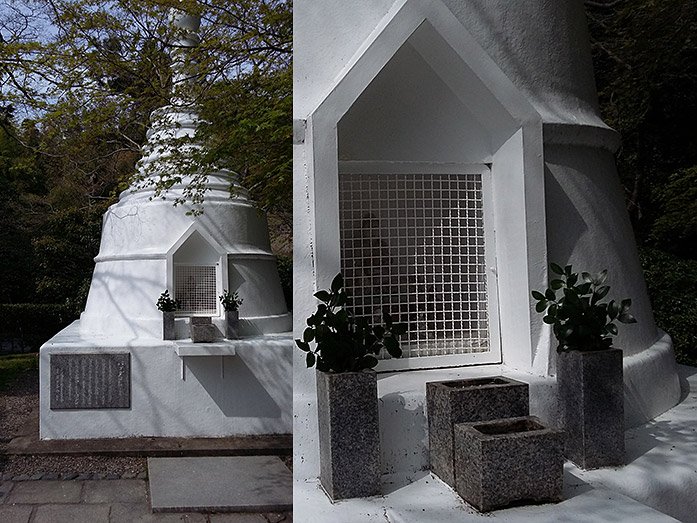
230	300
32	324
12	366
285	273
166	303
675	228
580	321
344	343
672	286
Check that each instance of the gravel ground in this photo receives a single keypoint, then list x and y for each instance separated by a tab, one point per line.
18	402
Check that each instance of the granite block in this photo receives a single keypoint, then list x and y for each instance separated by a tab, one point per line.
508	461
168	331
203	333
461	401
232	325
591	405
200	320
349	436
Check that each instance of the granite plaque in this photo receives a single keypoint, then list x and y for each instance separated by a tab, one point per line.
90	381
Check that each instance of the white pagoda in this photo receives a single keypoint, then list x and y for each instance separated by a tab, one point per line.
110	374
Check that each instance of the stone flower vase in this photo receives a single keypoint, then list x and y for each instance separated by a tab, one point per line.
168	326
591	406
458	401
232	325
349	436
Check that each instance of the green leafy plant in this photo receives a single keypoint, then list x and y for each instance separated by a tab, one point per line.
579	319
230	301
343	342
166	303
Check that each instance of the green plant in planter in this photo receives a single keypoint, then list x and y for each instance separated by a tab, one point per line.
579	319
166	303
230	301
343	342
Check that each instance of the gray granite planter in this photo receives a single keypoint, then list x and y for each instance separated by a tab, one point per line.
591	406
168	326
232	325
508	461
458	401
349	436
202	329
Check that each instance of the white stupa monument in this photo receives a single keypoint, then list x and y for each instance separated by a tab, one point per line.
111	374
446	152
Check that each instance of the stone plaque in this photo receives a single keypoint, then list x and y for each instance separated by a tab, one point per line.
91	381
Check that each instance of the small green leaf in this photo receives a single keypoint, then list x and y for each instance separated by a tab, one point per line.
303	346
337	283
392	346
586	277
308	335
625	317
601	292
538	295
541	306
323	296
556	284
611	328
568	270
600	277
399	329
626	304
556	269
549	320
550	295
310	359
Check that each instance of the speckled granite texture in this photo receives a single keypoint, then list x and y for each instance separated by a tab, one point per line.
349	437
591	401
460	401
502	462
168	326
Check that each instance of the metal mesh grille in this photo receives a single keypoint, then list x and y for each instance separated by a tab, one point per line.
195	288
415	243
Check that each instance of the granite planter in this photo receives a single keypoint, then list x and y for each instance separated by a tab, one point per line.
591	405
232	325
349	436
202	329
459	401
168	332
508	461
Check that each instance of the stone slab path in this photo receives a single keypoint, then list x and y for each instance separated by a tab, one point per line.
108	501
222	484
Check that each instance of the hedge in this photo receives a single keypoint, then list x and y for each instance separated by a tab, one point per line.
24	327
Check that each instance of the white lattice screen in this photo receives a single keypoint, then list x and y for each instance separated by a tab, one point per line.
195	288
415	243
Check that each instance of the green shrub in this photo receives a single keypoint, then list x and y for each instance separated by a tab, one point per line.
29	325
672	285
285	272
11	366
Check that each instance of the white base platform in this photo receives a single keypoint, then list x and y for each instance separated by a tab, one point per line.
658	484
240	387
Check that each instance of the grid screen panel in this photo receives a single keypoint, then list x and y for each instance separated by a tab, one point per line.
195	288
415	243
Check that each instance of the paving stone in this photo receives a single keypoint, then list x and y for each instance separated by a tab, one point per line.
140	513
112	475
51	476
6	477
21	477
237	517
142	475
84	476
129	475
114	491
69	475
45	492
15	513
5	488
220	484
70	513
37	476
277	517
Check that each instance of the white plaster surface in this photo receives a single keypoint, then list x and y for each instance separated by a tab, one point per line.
250	394
657	484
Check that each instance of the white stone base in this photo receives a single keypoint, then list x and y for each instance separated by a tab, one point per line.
215	395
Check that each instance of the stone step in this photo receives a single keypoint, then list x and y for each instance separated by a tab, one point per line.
220	484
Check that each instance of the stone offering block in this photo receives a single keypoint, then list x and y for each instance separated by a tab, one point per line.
168	331
591	404
202	329
461	401
90	381
349	435
508	461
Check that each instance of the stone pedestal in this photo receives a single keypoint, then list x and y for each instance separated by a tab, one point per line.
202	329
349	436
502	462
232	325
168	326
591	405
459	401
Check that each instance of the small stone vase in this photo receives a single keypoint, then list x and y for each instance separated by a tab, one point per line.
349	435
591	405
232	325
168	332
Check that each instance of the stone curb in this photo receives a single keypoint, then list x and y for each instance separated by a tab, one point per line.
67	476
